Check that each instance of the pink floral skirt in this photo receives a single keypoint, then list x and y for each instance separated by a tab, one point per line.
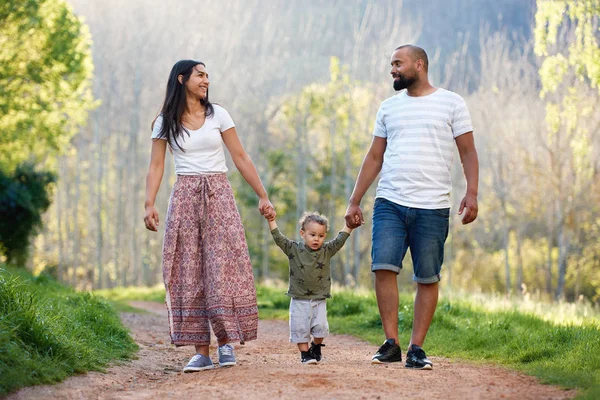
206	265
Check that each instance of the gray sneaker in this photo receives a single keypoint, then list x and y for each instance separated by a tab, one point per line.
226	356
198	363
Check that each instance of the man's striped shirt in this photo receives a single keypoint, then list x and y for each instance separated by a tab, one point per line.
420	133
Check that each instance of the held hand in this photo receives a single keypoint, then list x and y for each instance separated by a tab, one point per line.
266	208
151	218
354	217
469	202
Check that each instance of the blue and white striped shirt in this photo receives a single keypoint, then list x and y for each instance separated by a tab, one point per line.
420	133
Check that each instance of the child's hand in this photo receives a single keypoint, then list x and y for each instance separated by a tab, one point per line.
270	214
270	217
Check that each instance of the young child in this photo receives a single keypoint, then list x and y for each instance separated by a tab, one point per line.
310	281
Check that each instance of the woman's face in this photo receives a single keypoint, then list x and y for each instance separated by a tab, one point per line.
197	84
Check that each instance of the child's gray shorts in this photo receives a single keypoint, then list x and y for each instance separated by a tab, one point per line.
308	317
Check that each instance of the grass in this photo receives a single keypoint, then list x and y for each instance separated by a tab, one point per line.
524	336
48	331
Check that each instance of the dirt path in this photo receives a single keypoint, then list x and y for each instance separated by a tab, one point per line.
269	368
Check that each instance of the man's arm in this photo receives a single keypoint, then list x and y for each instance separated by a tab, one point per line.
368	172
468	157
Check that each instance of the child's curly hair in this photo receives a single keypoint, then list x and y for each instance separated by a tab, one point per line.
313	217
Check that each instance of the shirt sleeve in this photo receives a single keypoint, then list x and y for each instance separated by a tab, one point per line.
461	119
333	246
225	120
379	129
283	242
157	127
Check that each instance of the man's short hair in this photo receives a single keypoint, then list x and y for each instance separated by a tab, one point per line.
416	53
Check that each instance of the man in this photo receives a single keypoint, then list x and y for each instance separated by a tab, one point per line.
413	148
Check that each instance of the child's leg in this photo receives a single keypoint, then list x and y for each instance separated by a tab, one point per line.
300	323
300	328
319	327
303	346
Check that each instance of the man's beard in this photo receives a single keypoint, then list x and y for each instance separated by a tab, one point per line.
402	82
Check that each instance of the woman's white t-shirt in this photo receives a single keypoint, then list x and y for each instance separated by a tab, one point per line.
203	149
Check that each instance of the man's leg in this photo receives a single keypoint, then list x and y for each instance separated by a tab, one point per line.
386	289
428	232
425	305
390	243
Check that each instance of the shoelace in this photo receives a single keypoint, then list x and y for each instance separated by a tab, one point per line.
197	357
226	350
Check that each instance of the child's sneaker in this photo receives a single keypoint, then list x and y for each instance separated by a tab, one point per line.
307	357
315	349
417	359
226	356
198	363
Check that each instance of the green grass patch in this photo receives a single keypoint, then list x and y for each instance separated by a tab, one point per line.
123	295
48	331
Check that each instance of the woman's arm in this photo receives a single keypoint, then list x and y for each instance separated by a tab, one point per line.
153	179
244	164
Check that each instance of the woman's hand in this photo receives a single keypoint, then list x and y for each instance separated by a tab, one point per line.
151	218
266	208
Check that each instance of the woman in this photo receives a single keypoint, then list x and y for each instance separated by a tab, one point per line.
206	265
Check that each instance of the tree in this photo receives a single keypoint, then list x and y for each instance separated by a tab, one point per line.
566	39
582	55
327	125
45	78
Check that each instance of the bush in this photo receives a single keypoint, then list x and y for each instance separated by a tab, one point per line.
24	197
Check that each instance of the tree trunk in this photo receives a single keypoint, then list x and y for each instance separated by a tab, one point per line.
59	216
506	237
350	269
99	211
139	269
563	252
77	259
519	285
302	154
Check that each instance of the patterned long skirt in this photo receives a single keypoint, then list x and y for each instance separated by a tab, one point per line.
206	265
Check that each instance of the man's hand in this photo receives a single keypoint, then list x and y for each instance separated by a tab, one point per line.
354	217
469	202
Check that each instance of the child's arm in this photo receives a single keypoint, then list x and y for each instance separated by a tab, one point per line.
336	244
280	239
272	224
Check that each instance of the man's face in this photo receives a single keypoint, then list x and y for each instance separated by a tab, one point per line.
403	69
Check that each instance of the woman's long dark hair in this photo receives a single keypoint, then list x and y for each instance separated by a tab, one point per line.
174	104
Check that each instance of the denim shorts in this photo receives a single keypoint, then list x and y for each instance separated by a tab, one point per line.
397	228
